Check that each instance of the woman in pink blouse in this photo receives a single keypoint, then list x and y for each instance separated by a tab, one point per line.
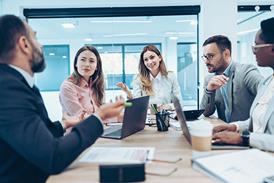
83	92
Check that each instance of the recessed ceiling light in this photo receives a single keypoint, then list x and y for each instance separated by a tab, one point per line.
64	56
126	35
183	21
68	25
178	33
120	21
88	39
51	54
173	38
247	31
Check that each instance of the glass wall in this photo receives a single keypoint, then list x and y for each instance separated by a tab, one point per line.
248	25
120	40
57	67
120	62
187	71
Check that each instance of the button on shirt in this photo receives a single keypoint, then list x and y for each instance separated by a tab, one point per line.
163	87
261	108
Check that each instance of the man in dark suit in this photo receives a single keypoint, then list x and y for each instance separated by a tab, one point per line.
32	147
232	87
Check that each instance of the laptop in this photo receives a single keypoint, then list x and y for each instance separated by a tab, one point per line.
133	121
186	133
193	114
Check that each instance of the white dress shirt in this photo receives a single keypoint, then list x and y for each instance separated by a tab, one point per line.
26	75
261	108
163	88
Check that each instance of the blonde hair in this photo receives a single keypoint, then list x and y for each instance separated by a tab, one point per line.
144	73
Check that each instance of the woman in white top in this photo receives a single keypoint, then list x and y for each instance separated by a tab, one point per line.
258	130
153	79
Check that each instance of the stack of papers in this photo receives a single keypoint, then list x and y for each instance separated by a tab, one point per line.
243	166
118	155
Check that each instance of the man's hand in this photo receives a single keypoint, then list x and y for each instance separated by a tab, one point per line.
228	137
226	127
110	110
216	82
71	121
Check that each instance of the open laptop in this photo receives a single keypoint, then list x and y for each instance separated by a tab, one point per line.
186	133
193	114
134	120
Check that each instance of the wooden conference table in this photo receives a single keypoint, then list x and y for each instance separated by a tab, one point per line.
167	144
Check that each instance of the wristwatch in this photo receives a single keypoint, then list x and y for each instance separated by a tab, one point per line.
245	137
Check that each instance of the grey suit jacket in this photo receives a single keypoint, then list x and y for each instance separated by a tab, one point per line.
242	87
263	141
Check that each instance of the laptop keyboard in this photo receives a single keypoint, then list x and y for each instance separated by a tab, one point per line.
116	131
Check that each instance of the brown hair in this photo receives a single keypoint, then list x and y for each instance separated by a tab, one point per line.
11	29
96	81
144	73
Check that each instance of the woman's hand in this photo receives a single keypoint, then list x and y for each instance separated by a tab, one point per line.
125	88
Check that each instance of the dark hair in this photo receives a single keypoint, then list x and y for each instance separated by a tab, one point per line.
144	72
267	27
96	80
11	29
222	42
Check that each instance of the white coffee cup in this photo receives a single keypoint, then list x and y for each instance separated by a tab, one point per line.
201	135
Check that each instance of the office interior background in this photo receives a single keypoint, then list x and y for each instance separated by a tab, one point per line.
120	29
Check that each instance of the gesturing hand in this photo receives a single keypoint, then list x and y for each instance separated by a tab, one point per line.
216	82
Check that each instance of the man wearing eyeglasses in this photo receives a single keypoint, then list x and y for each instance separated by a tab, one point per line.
232	87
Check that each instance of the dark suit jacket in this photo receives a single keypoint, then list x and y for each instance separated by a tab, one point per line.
242	87
31	146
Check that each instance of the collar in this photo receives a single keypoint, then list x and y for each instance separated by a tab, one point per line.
27	76
228	71
84	83
159	75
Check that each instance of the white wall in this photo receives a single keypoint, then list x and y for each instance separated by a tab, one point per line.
1	7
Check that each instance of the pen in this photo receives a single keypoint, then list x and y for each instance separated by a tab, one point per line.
128	104
164	161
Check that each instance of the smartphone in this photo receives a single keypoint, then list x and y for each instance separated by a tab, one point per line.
269	179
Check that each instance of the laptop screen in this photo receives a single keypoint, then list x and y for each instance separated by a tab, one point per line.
181	117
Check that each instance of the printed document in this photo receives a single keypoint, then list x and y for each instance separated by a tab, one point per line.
243	166
118	155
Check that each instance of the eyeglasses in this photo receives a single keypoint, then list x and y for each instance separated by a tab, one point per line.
256	47
208	57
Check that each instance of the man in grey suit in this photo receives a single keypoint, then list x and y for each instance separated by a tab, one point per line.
232	87
258	130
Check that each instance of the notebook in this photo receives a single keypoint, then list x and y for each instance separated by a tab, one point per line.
186	133
133	121
250	166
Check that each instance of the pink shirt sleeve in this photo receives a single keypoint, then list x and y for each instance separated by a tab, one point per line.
75	100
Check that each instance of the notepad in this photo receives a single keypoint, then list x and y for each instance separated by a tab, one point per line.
243	166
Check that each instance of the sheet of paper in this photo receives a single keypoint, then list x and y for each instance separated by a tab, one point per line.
244	166
110	155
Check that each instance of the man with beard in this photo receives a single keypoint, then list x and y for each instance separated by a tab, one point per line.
32	146
233	86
